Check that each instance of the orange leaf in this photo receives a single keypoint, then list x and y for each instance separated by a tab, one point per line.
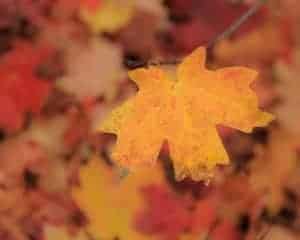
184	109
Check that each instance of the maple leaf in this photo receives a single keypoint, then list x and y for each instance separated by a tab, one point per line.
184	109
110	204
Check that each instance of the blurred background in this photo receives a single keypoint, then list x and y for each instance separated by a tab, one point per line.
63	68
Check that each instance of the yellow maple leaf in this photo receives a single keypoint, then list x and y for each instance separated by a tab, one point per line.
110	204
184	109
109	16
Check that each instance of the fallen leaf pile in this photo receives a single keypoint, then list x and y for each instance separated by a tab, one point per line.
104	137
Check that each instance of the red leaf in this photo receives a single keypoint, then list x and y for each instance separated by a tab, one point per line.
21	90
166	213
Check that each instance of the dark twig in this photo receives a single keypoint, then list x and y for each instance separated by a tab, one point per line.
225	34
236	24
